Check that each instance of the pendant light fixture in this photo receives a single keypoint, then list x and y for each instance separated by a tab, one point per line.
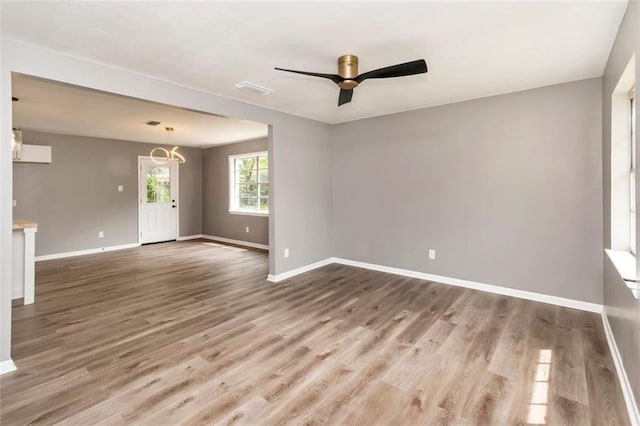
163	155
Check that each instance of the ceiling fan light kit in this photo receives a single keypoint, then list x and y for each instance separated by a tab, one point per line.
348	78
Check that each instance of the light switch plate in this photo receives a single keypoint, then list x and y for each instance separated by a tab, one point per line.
120	188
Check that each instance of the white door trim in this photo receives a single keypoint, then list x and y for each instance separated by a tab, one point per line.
139	199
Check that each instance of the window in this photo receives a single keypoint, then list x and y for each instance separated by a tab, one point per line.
159	184
622	248
249	183
632	172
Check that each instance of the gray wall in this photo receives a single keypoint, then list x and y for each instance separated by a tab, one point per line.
623	310
300	209
623	313
507	189
216	219
301	195
76	195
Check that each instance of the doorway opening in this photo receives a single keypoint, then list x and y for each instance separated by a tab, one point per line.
98	189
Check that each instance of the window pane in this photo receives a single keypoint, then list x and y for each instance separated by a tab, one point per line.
632	191
248	203
264	190
243	176
248	190
248	163
246	169
159	184
633	133
263	176
632	179
264	162
250	183
632	235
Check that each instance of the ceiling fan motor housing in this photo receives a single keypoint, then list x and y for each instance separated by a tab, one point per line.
348	69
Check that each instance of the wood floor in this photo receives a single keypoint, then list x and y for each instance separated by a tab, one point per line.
191	333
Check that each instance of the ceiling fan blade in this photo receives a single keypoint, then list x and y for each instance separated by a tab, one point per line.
345	96
400	70
333	77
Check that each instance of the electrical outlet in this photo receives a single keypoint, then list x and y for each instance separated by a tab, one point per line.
100	234
286	252
432	254
246	229
120	188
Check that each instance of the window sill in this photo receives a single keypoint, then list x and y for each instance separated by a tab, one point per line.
249	213
625	264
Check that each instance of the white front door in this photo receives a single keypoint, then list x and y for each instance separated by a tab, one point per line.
158	203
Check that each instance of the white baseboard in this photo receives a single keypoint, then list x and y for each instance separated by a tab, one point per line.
84	252
7	366
236	242
298	271
505	291
627	391
190	237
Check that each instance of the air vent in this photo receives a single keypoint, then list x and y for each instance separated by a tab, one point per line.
152	123
254	88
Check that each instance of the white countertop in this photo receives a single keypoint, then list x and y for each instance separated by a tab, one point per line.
24	224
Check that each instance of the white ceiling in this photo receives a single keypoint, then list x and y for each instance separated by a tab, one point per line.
473	49
59	108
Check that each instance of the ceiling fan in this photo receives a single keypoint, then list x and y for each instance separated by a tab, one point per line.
347	78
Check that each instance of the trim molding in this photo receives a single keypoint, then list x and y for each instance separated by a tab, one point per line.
83	252
17	293
7	366
236	242
300	270
627	391
505	291
189	237
133	245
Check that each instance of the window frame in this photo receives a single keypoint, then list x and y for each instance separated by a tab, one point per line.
233	208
